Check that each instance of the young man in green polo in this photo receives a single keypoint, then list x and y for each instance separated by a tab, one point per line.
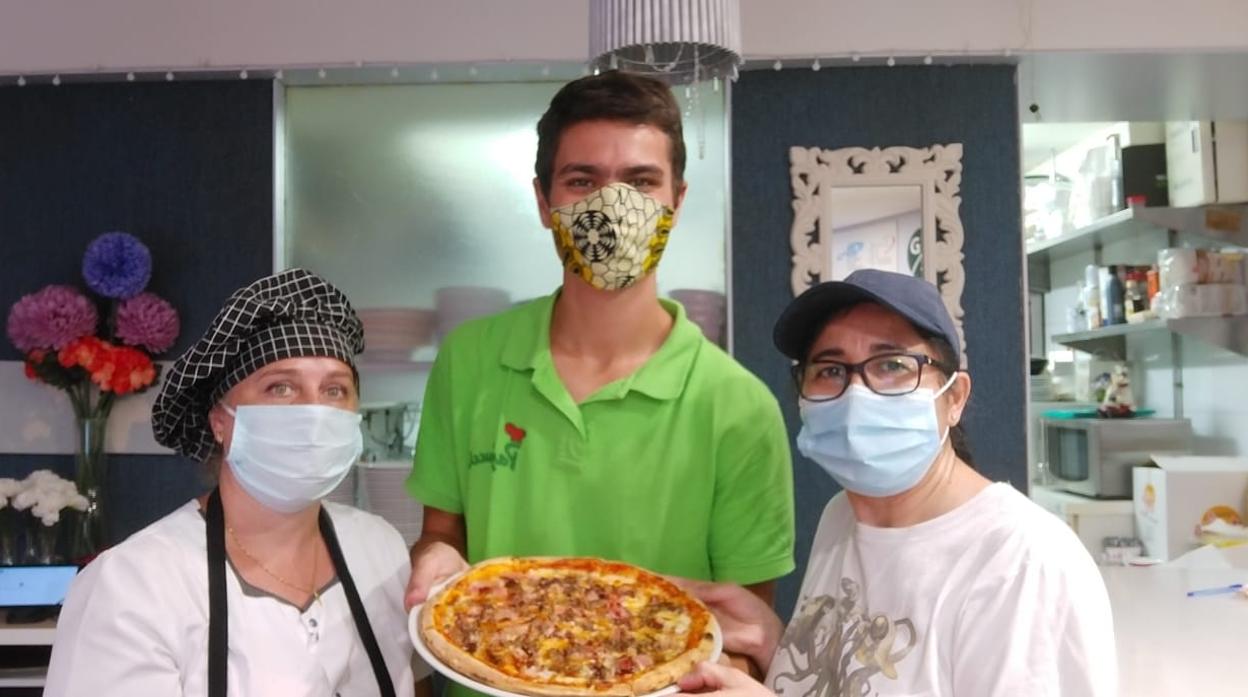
599	421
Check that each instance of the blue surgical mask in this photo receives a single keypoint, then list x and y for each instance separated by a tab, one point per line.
871	444
289	456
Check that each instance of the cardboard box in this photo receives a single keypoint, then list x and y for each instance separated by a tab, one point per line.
1180	493
1207	162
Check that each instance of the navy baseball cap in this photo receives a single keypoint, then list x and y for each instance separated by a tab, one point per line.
912	298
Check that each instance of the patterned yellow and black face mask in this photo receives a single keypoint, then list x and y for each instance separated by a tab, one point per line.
613	237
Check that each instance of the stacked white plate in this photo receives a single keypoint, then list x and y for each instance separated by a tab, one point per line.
705	308
392	334
458	304
382	492
1041	388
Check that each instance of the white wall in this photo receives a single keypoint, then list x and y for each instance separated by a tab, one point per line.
1214	381
72	35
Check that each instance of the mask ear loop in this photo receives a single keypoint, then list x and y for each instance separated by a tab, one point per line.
233	415
946	386
936	396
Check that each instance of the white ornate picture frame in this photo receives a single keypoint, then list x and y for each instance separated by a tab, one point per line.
937	171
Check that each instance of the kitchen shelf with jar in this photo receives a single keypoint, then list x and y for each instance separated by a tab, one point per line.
1222	224
1133	237
1227	224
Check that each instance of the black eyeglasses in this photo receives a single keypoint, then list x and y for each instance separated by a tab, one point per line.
890	374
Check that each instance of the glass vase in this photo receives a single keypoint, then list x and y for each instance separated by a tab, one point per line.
46	545
91	476
9	527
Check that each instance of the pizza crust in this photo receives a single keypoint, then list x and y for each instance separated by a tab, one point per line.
668	673
470	666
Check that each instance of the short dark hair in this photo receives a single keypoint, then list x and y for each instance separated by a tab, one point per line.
609	96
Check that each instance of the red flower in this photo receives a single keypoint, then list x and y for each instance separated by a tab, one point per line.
119	369
88	352
514	432
102	375
32	359
132	370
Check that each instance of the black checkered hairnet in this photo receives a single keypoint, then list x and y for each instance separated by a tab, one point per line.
292	314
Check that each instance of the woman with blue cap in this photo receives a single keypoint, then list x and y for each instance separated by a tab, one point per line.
257	588
925	578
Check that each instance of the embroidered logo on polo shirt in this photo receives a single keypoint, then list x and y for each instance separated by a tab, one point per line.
510	454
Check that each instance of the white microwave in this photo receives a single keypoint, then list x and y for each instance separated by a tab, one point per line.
1094	457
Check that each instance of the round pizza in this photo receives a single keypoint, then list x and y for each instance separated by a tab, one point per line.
566	626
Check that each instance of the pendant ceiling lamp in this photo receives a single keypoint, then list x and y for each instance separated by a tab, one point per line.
681	41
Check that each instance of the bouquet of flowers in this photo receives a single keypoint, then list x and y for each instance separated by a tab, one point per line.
95	349
67	346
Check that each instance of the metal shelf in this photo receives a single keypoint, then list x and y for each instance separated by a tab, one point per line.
23	677
1110	341
37	634
1227	224
1230	333
1122	225
1223	223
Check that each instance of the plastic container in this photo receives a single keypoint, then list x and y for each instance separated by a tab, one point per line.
1112	296
1091	307
1091	296
1120	551
1092	275
1202	300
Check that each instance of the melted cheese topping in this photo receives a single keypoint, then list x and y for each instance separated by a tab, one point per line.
572	622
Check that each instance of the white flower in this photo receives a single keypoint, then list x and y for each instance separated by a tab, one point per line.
40	477
46	493
9	488
25	499
50	501
78	502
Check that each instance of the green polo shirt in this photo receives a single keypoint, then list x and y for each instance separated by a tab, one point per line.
683	467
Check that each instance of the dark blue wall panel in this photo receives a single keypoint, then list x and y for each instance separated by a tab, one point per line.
882	107
188	167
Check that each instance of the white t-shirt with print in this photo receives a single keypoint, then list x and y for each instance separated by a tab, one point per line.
995	598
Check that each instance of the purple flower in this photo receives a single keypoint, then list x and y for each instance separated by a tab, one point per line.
117	265
149	321
50	319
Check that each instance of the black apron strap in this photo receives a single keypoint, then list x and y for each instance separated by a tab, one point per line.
218	628
384	684
218	614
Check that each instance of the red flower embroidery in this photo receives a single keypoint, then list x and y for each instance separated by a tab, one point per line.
514	432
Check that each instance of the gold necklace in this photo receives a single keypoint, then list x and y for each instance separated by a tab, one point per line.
316	558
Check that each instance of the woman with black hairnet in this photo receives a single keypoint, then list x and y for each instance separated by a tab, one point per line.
258	587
